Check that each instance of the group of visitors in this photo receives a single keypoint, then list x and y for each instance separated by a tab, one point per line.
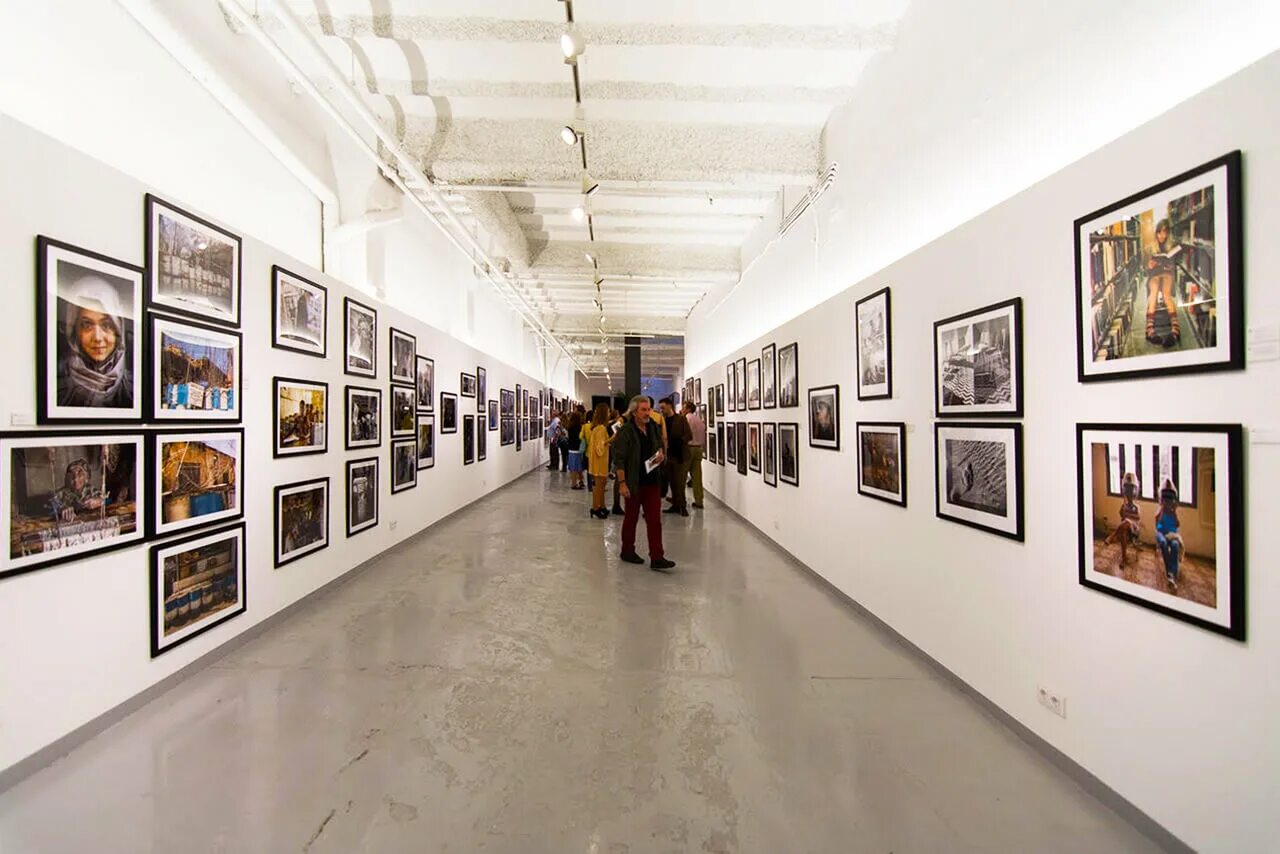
648	453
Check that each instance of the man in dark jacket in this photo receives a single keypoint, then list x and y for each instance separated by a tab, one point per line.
679	435
638	460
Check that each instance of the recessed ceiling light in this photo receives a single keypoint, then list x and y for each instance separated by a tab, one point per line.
568	135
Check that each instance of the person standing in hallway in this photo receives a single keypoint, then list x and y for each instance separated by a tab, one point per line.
598	458
619	421
699	441
678	438
553	432
571	449
638	460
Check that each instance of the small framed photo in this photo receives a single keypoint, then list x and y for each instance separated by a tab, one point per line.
301	417
740	453
70	495
197	583
467	384
882	460
360	339
753	446
740	382
978	476
302	519
426	437
875	346
448	412
426	384
508	400
753	384
362	495
404	410
731	444
1161	519
404	464
299	313
977	362
193	265
404	353
493	415
824	417
789	375
507	432
1160	278
789	453
520	428
697	390
482	389
482	438
770	440
720	400
469	439
195	373
197	479
723	442
89	360
769	376
731	382
712	445
364	417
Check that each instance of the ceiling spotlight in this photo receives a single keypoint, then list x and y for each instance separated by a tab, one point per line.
579	213
572	45
602	318
591	259
568	135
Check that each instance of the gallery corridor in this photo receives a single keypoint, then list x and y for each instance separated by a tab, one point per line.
502	683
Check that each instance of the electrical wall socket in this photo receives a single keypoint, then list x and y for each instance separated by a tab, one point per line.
394	522
1055	703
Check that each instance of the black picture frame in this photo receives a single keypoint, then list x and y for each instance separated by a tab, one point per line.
1119	263
280	533
740	382
880	492
404	452
792	428
466	384
352	393
789	375
741	451
720	440
278	446
753	384
353	364
403	410
155	208
818	396
365	468
189	520
482	439
731	444
468	439
425	434
482	389
158	325
1200	521
403	354
507	432
769	376
50	254
493	415
729	383
755	455
1011	310
448	412
720	400
213	590
425	383
969	514
870	385
769	453
280	339
713	444
508	402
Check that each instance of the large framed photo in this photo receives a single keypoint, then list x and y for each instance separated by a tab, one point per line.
824	417
195	372
299	314
360	339
426	384
364	417
789	375
196	479
507	432
302	519
482	388
197	583
508	400
404	409
301	417
448	412
469	439
1161	519
426	436
193	265
882	460
753	446
482	438
404	352
731	380
1160	278
977	362
520	428
769	439
362	495
740	452
712	446
722	442
697	390
978	476
720	400
789	453
769	376
875	346
404	464
731	443
89	353
753	384
740	382
493	415
70	495
467	384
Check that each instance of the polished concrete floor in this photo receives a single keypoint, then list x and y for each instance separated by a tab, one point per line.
503	684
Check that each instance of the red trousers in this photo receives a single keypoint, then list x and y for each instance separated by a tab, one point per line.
650	498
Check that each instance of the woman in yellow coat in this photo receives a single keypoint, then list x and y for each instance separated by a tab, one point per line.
598	458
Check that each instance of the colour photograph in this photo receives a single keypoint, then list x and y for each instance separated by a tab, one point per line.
789	453
360	339
194	265
882	461
302	417
404	410
875	375
195	372
769	376
300	313
753	384
978	474
302	519
404	464
1159	278
197	478
789	375
364	417
824	417
448	412
196	583
770	439
404	351
978	362
1159	519
753	446
426	437
362	495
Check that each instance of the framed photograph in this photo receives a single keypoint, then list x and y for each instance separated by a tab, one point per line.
730	381
720	401
467	385
507	432
753	384
1160	278
404	410
789	375
712	446
978	476
722	442
493	415
404	353
301	417
769	376
364	417
302	519
360	339
520	425
196	479
426	436
824	417
523	395
197	583
482	438
740	452
977	362
69	495
697	390
875	346
789	453
194	373
89	352
299	313
193	265
753	446
770	440
731	444
1161	519
740	382
469	439
882	460
508	400
404	464
482	389
426	384
448	412
362	495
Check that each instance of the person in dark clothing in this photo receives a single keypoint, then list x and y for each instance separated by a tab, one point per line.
679	435
638	461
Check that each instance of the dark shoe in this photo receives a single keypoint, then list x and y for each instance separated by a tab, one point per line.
1169	342
661	564
672	509
618	511
631	557
697	506
601	513
684	511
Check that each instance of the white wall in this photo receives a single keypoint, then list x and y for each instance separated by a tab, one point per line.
1179	721
74	655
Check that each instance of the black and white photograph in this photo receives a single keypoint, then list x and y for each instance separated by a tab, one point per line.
1159	278
740	451
712	446
467	384
364	417
404	464
493	415
789	375
732	383
753	446
977	362
197	479
753	384
882	460
360	339
769	438
789	453
426	436
362	495
722	442
978	476
482	439
731	444
875	346
482	389
89	358
468	439
404	354
720	400
197	583
299	313
195	372
520	429
301	417
824	417
194	266
448	412
69	495
507	432
769	376
697	390
426	384
507	397
302	519
740	382
404	410
1160	523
